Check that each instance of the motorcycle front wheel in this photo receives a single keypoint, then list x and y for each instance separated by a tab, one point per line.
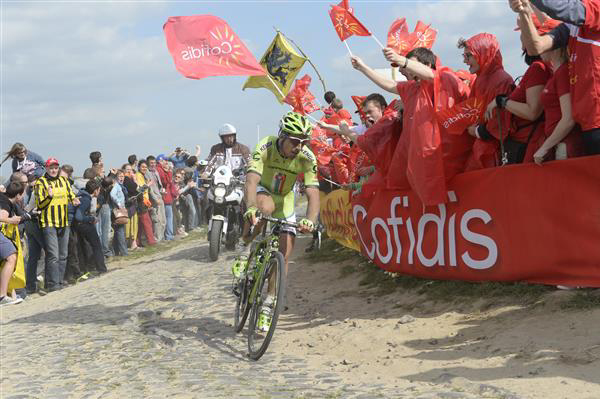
214	238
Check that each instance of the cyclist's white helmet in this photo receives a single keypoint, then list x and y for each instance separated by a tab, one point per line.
227	129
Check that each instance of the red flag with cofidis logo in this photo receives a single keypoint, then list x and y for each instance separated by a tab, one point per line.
204	45
402	41
346	24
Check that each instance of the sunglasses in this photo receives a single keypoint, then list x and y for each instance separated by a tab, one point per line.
296	141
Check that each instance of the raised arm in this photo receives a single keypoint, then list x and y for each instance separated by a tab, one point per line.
383	82
416	68
534	43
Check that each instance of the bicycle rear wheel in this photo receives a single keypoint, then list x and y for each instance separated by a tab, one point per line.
258	341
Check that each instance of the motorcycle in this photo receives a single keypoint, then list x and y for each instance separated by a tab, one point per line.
225	193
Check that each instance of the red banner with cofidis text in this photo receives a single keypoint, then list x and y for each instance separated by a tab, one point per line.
539	224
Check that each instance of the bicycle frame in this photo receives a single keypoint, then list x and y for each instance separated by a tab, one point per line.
263	249
268	245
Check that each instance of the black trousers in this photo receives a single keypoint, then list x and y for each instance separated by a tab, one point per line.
591	141
73	270
87	232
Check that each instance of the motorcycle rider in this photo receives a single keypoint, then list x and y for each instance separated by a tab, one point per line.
233	153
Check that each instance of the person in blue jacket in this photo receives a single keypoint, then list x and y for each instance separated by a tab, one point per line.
25	161
85	223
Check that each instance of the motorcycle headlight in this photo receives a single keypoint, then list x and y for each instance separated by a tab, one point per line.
220	191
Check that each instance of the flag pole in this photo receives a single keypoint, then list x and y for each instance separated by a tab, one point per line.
348	47
312	117
377	41
305	56
277	87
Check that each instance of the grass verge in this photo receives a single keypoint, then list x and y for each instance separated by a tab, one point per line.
444	290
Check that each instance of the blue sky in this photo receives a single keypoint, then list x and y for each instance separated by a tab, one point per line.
84	76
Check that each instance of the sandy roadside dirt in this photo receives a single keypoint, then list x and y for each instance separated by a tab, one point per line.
536	351
160	327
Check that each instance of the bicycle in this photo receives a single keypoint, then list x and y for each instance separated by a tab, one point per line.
251	290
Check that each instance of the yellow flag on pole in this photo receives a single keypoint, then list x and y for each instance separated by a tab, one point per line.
282	64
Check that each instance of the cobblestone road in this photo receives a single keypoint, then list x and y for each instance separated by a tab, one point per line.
161	328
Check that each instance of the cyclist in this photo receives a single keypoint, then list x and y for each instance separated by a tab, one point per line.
274	166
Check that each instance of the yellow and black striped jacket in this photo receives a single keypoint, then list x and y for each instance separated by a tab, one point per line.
53	210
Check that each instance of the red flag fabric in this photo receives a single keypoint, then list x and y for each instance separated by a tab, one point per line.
300	98
319	146
357	160
457	119
340	168
467	77
402	42
424	35
346	24
358	100
398	37
346	5
204	45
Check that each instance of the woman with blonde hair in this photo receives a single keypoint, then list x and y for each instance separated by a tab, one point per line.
131	228
144	204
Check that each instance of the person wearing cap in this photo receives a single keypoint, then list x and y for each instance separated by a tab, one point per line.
53	194
232	152
524	104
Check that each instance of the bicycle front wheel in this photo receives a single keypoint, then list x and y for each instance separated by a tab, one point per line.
258	340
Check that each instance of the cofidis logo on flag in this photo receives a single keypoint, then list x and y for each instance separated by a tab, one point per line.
223	47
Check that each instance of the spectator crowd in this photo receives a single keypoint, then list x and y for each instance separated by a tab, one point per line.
46	210
446	122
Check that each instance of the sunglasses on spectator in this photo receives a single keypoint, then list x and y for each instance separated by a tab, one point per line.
296	141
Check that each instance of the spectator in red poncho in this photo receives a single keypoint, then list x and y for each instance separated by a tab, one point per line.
423	149
482	54
334	115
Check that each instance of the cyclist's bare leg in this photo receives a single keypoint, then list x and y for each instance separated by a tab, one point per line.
266	206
